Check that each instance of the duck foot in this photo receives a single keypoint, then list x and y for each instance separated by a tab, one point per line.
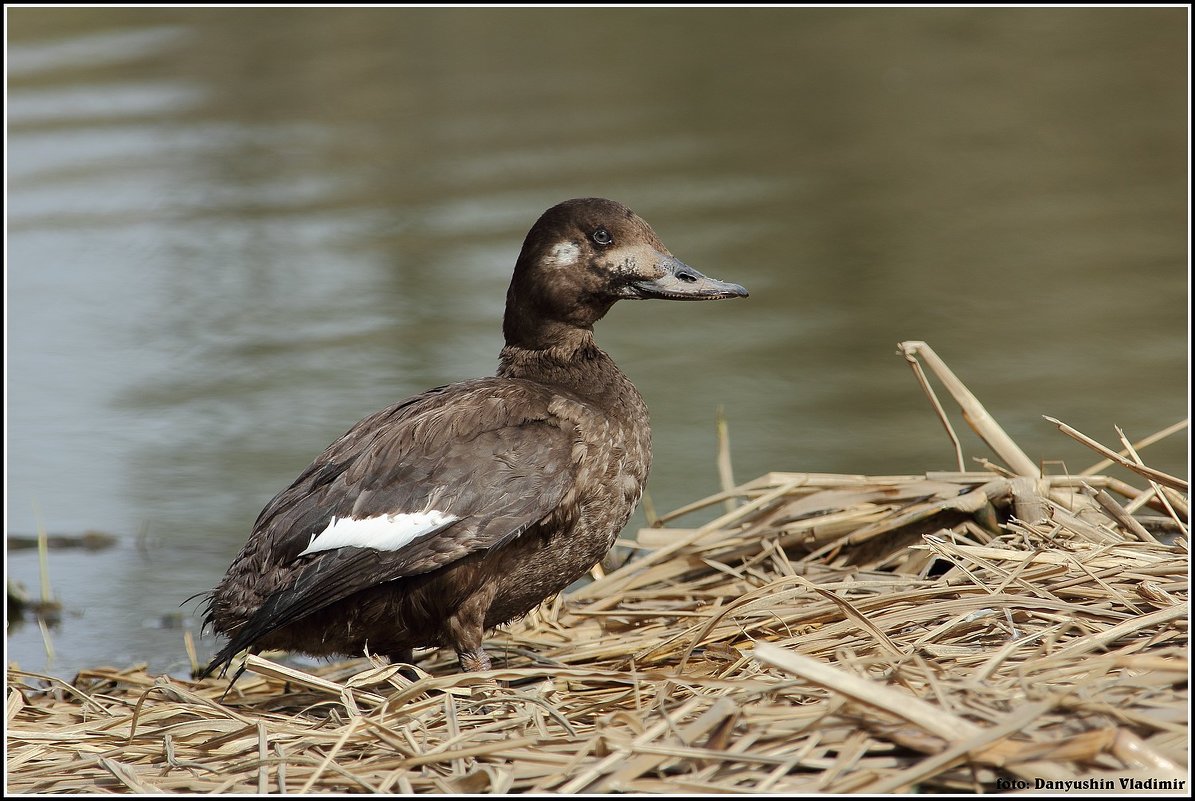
473	660
484	693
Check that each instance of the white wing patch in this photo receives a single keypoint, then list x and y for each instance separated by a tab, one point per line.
384	533
563	255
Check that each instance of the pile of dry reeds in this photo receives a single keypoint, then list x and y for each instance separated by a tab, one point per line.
978	631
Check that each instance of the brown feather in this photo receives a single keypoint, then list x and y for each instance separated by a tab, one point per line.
540	467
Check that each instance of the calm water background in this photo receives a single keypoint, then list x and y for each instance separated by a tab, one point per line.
234	232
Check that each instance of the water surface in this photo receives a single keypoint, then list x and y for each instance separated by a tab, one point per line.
234	232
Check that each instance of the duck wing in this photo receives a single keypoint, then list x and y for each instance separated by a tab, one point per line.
458	469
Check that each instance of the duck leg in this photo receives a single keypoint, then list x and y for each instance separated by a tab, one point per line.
465	630
406	656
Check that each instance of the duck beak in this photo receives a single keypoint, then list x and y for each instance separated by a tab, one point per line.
679	281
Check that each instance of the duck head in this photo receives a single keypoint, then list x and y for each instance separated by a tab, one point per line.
580	258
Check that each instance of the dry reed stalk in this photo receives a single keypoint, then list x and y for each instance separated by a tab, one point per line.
973	411
1111	455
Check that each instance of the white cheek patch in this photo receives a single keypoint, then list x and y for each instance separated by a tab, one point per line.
385	532
563	255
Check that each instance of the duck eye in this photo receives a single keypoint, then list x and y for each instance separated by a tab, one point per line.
602	237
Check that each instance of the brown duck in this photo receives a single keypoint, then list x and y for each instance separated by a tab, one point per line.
464	507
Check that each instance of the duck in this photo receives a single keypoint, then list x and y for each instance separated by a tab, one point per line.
458	510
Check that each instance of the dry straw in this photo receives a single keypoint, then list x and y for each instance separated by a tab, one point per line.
962	631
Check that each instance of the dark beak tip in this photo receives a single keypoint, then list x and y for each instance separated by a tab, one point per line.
726	290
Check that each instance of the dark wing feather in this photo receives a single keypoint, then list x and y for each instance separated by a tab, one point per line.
489	452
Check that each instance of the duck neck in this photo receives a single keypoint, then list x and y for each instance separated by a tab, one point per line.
574	363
